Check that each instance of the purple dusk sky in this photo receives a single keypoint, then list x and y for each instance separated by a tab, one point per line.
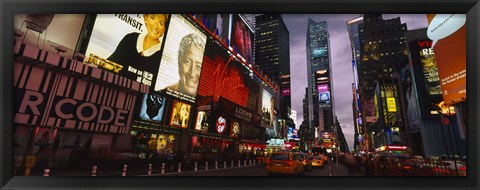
340	57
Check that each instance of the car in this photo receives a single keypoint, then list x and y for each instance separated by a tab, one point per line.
317	161
284	163
307	163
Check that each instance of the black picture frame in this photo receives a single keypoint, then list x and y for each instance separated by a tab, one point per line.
10	7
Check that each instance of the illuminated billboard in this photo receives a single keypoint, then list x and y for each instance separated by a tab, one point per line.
268	112
323	95
182	59
391	105
370	115
242	38
128	44
223	76
152	107
180	114
57	33
202	121
449	35
235	129
319	52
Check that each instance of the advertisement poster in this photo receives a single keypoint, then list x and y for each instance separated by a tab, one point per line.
180	114
57	33
128	44
235	130
182	59
370	115
202	121
152	107
449	35
268	112
242	38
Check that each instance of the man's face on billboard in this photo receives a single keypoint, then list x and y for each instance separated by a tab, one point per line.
190	68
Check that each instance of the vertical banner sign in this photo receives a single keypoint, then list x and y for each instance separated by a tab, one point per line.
182	59
46	98
391	105
448	33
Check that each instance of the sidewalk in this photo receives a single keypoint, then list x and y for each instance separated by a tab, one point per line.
136	169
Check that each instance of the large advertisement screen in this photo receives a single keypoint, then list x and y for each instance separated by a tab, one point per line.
180	114
182	59
242	38
128	44
268	112
449	35
223	76
323	95
56	33
153	107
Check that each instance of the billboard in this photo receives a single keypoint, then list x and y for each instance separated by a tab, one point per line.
242	38
202	121
268	112
58	33
449	35
235	129
220	125
133	50
153	107
223	76
391	105
427	81
182	59
323	95
208	20
180	114
319	52
68	102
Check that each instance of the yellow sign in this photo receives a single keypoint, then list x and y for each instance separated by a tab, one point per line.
391	105
30	162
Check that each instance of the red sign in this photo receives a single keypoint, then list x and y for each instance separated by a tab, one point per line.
221	125
222	76
396	147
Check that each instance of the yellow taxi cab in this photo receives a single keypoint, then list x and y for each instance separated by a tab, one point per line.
284	163
317	161
307	164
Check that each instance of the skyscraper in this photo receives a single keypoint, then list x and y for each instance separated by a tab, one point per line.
320	86
272	55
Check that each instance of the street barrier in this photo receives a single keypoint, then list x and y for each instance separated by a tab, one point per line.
232	164
179	167
245	163
206	165
94	171
124	172
195	166
238	163
46	172
149	169
216	165
163	168
224	164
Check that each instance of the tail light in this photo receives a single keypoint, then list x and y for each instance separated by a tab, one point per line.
288	162
407	167
463	168
267	161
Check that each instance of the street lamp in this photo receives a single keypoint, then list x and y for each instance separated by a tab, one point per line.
446	112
